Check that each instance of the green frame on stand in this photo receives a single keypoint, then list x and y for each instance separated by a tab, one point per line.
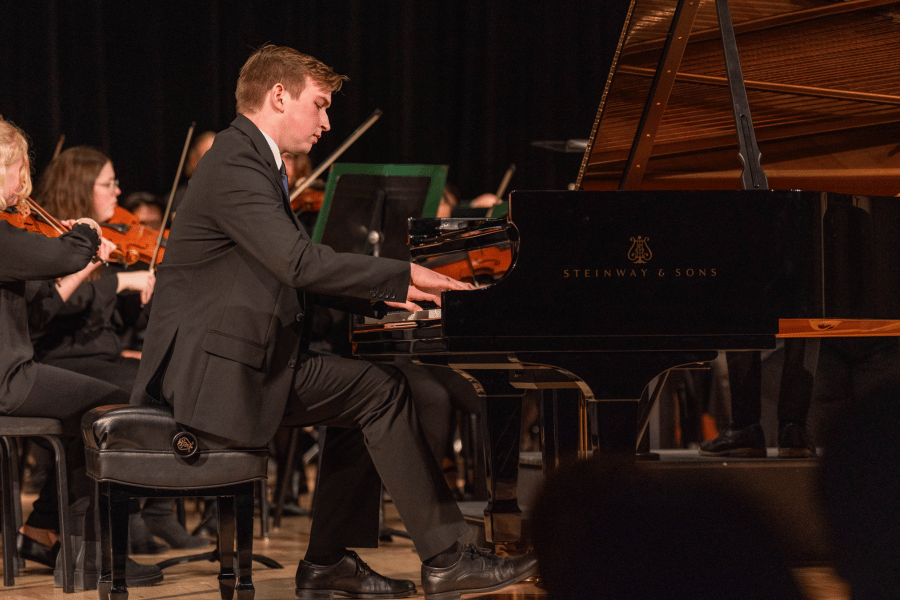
437	174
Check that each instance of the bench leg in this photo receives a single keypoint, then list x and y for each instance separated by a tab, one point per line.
244	522
118	541
104	585
65	527
8	520
227	580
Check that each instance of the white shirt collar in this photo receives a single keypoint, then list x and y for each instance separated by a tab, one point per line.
274	147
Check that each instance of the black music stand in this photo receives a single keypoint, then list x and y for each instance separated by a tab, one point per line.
366	206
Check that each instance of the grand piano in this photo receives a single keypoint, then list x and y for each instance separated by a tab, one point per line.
694	226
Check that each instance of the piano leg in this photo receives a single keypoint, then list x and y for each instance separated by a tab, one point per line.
501	409
616	426
560	427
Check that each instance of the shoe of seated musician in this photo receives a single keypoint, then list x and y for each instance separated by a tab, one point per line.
140	540
349	577
171	531
476	571
794	442
209	523
33	550
743	442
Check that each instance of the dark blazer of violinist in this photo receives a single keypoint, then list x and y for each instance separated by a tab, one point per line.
227	317
26	256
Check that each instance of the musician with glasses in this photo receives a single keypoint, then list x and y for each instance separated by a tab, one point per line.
84	332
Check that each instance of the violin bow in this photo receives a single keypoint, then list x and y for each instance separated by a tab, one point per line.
334	155
165	218
59	145
505	182
47	217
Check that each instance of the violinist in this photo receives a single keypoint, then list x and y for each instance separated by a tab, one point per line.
82	333
30	389
146	207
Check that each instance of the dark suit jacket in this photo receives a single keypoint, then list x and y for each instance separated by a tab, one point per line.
226	322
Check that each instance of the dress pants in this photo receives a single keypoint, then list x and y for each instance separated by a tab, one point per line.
345	472
795	393
64	395
374	398
438	392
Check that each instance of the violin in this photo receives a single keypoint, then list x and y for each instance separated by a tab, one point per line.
25	217
135	240
308	200
20	216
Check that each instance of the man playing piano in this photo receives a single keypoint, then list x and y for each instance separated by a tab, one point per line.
225	344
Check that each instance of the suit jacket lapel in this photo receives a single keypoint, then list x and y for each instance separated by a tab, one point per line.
265	152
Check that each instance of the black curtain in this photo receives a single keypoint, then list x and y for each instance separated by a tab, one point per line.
466	83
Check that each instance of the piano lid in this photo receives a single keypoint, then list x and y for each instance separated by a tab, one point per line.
823	88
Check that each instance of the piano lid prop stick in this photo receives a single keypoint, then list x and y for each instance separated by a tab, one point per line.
505	182
165	218
334	155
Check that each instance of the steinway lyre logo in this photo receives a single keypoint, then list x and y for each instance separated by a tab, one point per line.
639	253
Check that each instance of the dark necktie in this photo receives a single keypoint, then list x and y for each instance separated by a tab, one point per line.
284	180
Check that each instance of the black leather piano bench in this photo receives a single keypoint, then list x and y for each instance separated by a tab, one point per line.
141	452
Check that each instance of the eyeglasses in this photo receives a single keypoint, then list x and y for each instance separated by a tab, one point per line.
112	185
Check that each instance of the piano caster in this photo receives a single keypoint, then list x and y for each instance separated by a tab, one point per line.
646	456
502	528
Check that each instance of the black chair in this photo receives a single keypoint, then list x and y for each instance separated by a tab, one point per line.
140	451
51	430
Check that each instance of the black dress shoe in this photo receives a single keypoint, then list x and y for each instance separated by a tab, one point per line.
136	575
477	571
209	523
30	549
793	442
350	577
747	442
140	540
171	531
290	509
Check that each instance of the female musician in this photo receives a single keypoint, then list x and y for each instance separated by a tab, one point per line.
82	333
29	389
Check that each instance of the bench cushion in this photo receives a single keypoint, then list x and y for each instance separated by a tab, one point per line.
133	445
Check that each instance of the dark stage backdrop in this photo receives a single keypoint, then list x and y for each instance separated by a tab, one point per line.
468	83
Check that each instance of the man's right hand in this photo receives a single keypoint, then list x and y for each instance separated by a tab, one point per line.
426	286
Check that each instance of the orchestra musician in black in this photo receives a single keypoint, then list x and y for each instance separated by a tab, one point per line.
83	332
30	389
225	343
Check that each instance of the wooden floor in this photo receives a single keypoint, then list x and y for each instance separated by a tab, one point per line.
396	559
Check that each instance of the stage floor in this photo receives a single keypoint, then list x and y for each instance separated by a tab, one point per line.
286	545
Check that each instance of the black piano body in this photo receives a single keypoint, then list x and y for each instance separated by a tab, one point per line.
674	247
606	290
